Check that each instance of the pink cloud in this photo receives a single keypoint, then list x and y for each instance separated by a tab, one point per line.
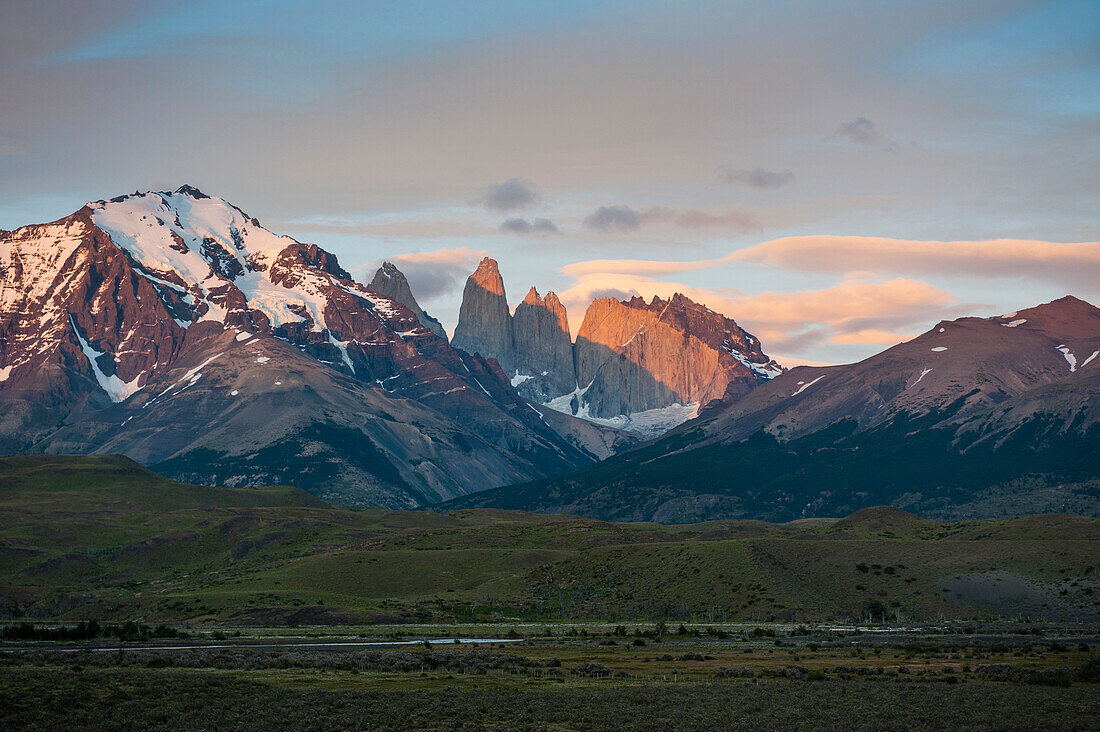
852	312
1076	265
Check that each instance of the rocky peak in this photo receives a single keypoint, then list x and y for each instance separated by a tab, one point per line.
543	348
391	282
192	191
487	276
484	319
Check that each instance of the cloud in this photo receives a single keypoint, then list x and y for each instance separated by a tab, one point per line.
755	177
862	131
696	219
1074	266
871	336
848	308
436	273
625	218
850	312
512	194
620	218
523	226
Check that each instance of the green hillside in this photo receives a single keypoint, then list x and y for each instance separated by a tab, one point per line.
100	537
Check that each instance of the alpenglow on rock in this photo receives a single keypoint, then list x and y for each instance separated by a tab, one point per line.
484	321
636	356
391	282
644	367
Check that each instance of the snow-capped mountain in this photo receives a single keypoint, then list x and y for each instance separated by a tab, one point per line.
146	323
636	365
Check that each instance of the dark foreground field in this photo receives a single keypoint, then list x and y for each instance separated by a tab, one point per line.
564	682
127	699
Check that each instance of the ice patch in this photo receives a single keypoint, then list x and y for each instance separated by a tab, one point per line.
520	378
6	372
943	330
117	389
243	336
939	349
804	387
923	373
648	423
1015	323
278	383
1070	358
263	359
1083	363
234	393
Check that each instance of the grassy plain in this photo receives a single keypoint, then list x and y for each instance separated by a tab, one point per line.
102	538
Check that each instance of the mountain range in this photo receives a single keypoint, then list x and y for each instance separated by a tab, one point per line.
976	417
173	328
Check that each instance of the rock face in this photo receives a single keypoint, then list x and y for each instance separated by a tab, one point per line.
645	367
173	328
484	320
635	356
543	348
391	282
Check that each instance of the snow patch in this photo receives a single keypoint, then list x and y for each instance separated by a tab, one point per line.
763	370
1083	363
1070	358
342	346
804	387
263	359
1015	323
117	389
923	373
520	378
648	423
234	393
243	336
939	349
6	372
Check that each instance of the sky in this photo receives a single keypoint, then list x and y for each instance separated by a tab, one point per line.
837	176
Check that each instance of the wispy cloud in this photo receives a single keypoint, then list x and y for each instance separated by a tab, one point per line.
523	226
1075	266
614	218
755	177
862	131
625	218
